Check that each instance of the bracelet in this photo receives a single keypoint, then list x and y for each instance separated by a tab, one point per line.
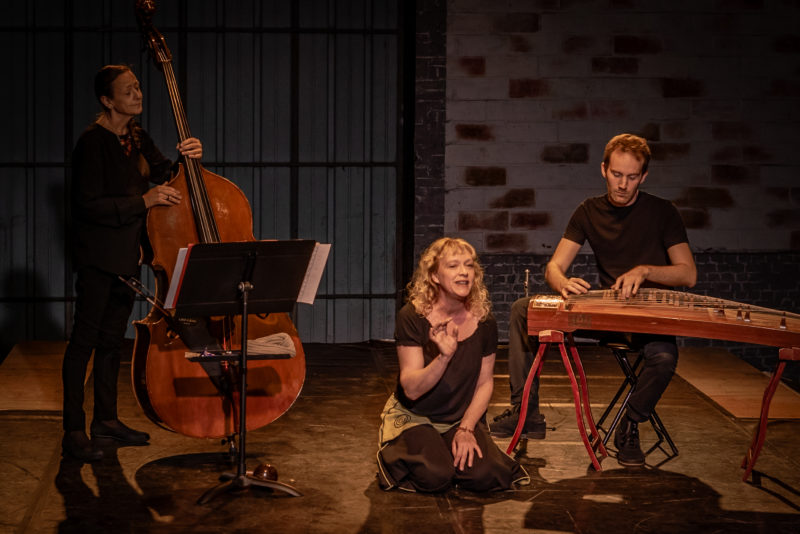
465	429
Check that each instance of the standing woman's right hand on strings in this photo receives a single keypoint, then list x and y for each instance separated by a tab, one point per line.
164	195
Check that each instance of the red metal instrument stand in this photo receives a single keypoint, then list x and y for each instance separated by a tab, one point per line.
580	394
749	461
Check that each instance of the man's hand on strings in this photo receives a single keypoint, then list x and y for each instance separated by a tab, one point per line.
575	286
628	283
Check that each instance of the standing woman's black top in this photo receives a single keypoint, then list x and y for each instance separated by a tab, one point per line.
108	211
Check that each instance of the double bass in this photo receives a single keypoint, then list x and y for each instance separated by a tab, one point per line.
193	399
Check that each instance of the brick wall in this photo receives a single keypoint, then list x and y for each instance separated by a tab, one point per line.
429	123
535	89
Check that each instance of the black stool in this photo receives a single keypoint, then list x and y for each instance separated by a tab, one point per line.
620	351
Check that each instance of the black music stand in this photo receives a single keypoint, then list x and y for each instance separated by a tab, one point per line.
242	278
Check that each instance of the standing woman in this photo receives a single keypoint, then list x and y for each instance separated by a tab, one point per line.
434	432
112	164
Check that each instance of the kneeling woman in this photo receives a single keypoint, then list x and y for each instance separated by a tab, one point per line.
434	434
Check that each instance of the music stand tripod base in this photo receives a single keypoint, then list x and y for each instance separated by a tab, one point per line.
236	482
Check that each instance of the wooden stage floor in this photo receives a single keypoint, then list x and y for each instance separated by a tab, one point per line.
325	447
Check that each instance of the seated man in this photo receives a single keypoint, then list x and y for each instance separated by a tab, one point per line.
638	240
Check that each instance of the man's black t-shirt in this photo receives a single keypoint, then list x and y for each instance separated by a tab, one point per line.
624	237
447	401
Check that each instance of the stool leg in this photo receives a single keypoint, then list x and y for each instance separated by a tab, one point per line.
625	383
629	381
663	435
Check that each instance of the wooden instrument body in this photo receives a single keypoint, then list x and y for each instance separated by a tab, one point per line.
180	396
195	399
656	311
230	208
176	393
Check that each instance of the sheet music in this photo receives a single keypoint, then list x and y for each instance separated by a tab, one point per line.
177	276
280	343
319	257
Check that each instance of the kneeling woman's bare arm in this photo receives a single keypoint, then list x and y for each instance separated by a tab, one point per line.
464	444
416	378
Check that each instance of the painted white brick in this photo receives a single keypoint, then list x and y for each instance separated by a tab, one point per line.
715	109
662	109
477	45
452	138
476	6
466	110
525	131
455	70
513	66
519	110
686	130
660	65
565	66
477	88
469	23
779	176
549	176
468	156
661	176
568	199
582	131
772	109
714	67
471	198
650	21
545	43
496	154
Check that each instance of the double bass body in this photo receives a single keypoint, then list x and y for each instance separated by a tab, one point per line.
201	400
181	395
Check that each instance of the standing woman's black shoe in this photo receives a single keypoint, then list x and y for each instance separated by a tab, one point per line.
115	429
77	445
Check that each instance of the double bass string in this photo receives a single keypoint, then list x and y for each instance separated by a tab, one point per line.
198	194
207	228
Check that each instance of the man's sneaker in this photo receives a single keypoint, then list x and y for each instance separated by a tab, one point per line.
504	425
626	439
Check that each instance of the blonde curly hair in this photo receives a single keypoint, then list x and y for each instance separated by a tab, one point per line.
422	291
